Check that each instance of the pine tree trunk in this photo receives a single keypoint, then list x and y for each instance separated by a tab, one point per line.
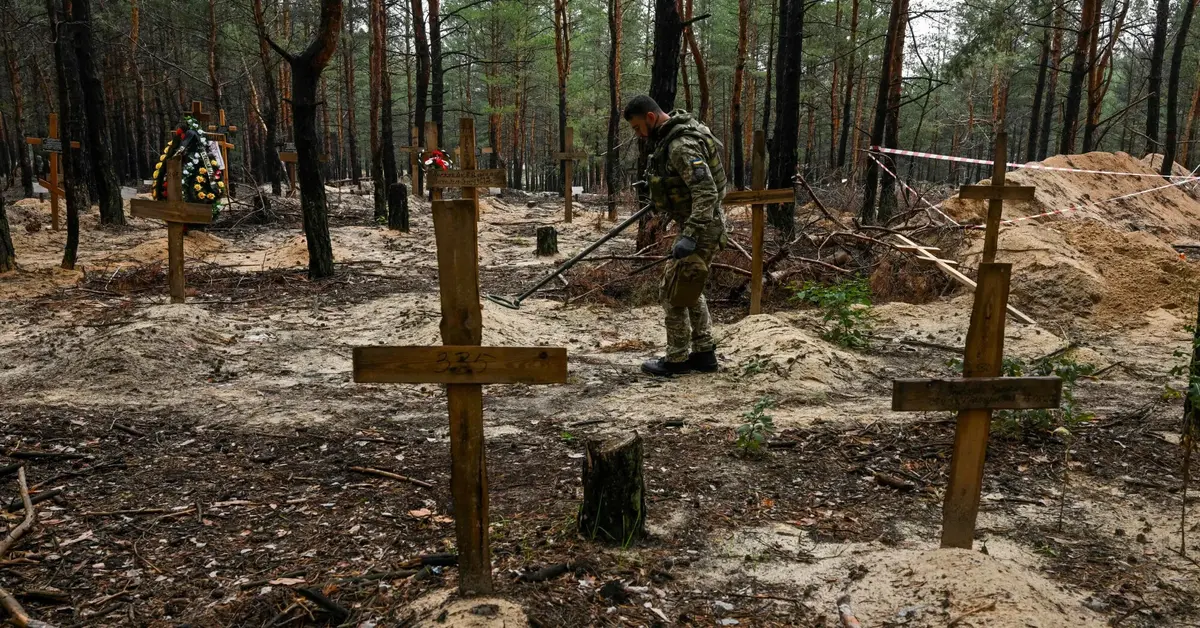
378	37
664	79
891	135
437	93
8	254
14	83
1039	93
387	143
1158	55
834	110
70	106
1190	128
850	80
562	58
398	207
1079	73
614	492
351	103
98	144
1101	77
422	45
1171	141
306	71
270	113
782	170
735	113
705	113
869	214
1053	60
776	5
612	158
213	80
143	149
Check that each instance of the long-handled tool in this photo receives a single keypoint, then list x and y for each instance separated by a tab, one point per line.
515	303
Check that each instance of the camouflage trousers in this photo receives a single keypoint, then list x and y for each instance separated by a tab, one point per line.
689	329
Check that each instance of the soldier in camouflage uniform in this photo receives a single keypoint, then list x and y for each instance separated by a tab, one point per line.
687	182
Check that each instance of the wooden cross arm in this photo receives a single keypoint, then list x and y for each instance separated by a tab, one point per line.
171	211
976	393
51	188
33	140
410	149
288	157
460	365
496	178
759	197
996	192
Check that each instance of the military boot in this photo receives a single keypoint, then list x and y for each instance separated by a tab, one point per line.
703	361
660	367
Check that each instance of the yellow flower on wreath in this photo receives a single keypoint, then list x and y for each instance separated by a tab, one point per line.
204	171
197	187
200	179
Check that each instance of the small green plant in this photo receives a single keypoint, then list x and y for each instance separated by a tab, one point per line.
567	436
759	426
755	366
1021	424
847	310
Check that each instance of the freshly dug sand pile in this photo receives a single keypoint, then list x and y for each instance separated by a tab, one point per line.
780	348
196	245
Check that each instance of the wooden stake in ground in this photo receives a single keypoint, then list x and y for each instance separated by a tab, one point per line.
53	145
463	366
758	198
414	151
220	133
568	157
982	389
176	213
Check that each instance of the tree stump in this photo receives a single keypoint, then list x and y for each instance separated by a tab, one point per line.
614	495
547	241
398	207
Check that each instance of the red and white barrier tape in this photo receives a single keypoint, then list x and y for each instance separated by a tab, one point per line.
914	192
1031	166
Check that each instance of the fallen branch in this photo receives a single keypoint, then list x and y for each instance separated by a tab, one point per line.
34	455
990	606
820	205
391	476
545	573
112	513
380	575
846	614
39	498
893	481
129	430
17	613
24	526
10	469
432	560
335	610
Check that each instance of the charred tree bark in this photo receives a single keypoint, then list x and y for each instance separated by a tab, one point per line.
1079	73
735	107
8	254
614	492
782	163
98	143
562	57
547	241
766	125
612	159
1171	141
70	106
1158	54
891	135
270	113
850	79
664	79
143	149
869	213
422	45
437	87
398	207
14	83
378	21
306	71
1039	93
351	104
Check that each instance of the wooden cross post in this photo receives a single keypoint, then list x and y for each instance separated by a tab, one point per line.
414	156
289	156
568	157
177	214
53	145
758	197
982	389
464	367
431	144
198	112
219	134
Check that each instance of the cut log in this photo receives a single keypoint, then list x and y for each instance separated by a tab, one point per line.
547	241
398	207
614	494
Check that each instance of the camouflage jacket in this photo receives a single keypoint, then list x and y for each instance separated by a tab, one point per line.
686	177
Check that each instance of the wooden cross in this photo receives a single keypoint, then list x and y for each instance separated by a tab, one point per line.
982	389
176	213
53	145
757	198
198	112
219	133
568	157
289	156
414	151
464	367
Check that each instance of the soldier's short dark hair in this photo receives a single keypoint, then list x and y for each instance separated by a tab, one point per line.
640	106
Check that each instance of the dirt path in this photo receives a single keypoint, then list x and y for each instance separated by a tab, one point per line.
250	422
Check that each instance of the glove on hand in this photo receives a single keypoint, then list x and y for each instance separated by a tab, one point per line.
684	247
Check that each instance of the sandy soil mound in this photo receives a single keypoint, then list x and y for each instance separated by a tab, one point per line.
196	245
175	343
437	608
773	346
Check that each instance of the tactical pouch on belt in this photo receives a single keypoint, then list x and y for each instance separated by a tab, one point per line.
685	281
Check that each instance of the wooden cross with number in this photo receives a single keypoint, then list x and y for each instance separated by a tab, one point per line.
757	198
176	213
53	145
463	366
568	157
982	389
219	134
